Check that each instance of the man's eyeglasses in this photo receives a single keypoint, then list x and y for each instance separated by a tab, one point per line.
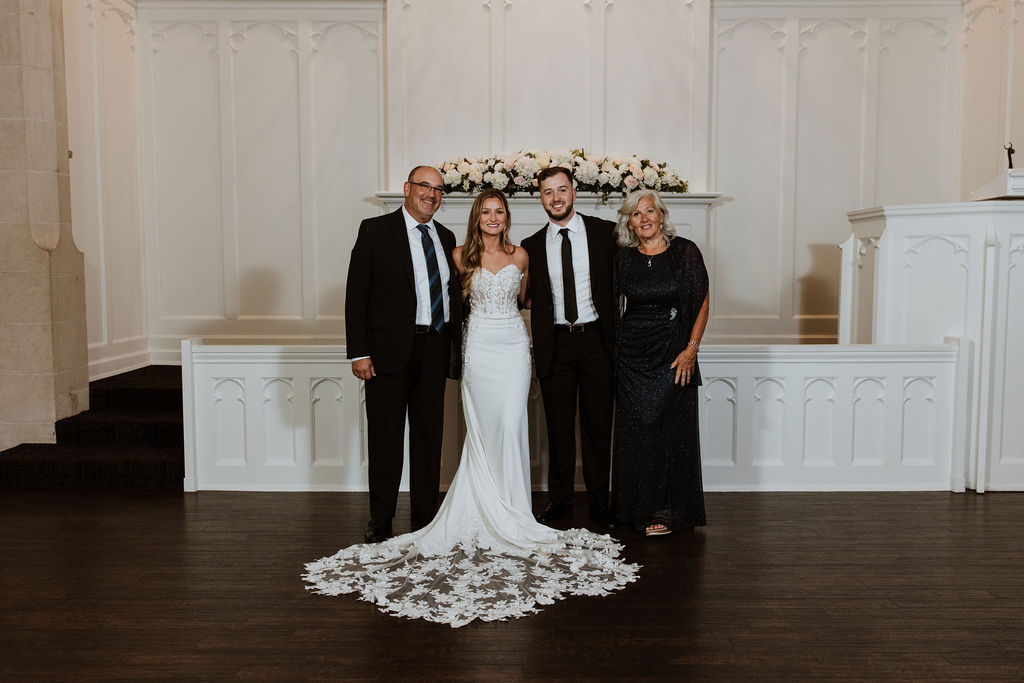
429	188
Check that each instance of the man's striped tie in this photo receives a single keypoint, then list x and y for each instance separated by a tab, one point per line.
434	276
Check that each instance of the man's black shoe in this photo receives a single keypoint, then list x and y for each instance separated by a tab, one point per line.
603	518
378	530
554	511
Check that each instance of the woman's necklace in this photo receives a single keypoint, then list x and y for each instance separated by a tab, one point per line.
650	257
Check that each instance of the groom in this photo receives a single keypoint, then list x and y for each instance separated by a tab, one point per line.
403	316
573	326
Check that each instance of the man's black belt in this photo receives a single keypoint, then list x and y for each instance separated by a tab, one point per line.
578	327
427	329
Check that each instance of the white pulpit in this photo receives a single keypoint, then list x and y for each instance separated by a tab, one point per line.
919	274
1007	185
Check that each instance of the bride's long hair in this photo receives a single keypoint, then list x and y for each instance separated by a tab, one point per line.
474	242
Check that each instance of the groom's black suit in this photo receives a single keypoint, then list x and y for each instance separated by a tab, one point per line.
411	368
568	364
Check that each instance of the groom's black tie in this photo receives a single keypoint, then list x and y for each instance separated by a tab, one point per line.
568	279
434	278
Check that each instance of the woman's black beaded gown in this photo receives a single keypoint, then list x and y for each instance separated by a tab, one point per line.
656	471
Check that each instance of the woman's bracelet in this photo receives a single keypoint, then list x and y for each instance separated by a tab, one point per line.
695	345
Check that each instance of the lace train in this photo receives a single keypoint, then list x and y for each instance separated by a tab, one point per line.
472	582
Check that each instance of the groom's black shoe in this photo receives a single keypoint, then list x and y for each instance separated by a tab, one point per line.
378	530
602	517
554	511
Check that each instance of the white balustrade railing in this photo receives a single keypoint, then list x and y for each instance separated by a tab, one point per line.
857	417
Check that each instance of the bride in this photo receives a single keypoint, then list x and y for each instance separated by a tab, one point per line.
483	556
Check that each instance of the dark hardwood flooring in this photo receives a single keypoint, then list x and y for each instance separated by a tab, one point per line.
779	586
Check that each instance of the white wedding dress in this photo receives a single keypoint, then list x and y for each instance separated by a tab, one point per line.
483	556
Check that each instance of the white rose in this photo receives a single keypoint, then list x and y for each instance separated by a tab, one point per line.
527	166
475	176
587	172
560	156
650	177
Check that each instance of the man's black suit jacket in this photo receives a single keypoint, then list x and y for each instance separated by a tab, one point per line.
601	245
380	297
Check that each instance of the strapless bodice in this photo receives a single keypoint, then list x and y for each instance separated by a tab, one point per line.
494	295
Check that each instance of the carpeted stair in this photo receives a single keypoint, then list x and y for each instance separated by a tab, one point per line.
130	438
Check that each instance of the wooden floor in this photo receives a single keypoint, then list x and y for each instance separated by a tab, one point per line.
873	586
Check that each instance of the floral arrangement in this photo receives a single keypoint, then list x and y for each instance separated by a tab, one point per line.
512	173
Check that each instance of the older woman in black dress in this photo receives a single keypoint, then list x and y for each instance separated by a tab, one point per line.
662	289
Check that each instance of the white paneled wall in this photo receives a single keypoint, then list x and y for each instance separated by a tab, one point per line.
771	418
486	76
993	96
265	139
818	106
239	143
103	135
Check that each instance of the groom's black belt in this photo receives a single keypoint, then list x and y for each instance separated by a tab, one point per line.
427	329
577	327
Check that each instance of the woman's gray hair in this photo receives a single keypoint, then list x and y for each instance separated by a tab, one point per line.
628	238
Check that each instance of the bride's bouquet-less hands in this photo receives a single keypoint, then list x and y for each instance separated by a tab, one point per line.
517	172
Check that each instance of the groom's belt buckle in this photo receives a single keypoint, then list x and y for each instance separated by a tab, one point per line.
577	327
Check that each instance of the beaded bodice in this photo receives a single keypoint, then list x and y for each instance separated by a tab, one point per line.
493	295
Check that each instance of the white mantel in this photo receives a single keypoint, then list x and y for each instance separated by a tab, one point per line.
689	212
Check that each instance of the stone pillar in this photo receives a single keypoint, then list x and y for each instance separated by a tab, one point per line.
43	344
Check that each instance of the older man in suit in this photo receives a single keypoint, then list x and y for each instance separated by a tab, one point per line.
402	326
573	329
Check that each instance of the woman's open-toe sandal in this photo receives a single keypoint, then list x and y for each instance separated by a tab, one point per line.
657	529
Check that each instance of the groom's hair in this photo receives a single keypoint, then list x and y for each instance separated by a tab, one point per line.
550	171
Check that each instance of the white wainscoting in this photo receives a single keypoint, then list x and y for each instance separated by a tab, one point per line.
771	417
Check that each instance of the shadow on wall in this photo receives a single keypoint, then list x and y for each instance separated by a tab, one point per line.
817	296
259	292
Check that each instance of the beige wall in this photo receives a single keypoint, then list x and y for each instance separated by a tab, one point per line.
993	90
43	374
